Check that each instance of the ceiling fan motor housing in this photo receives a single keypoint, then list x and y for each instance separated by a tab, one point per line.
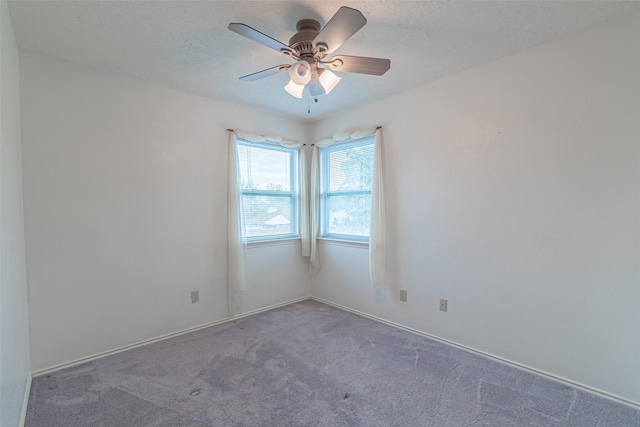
302	41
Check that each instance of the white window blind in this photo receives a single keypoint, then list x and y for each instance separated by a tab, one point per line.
346	189
269	201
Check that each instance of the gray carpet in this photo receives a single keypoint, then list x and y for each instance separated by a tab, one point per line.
308	364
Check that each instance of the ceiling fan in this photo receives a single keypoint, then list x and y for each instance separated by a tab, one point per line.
309	47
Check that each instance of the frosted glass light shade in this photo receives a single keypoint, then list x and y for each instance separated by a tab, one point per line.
329	80
294	89
300	72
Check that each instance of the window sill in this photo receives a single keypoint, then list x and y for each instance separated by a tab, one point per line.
274	242
339	242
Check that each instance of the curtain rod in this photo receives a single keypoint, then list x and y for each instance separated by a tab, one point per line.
377	127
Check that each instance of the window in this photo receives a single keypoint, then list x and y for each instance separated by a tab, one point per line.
269	201
346	172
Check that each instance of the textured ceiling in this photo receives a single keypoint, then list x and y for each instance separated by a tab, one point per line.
186	44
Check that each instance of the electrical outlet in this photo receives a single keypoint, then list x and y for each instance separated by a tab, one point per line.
195	296
403	295
443	304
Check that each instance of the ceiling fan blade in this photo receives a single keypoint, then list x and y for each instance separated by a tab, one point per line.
257	36
265	73
358	64
345	23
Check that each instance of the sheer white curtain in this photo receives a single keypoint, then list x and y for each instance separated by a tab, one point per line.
236	279
303	200
378	225
314	205
237	245
377	231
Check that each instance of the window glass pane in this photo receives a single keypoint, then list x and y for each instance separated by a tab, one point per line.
351	168
346	196
268	215
264	168
269	205
348	214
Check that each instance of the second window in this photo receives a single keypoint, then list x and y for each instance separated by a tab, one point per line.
346	174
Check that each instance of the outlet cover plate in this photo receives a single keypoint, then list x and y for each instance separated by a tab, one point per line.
195	297
443	304
403	295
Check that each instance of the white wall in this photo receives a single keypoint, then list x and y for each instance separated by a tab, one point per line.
125	209
514	191
14	331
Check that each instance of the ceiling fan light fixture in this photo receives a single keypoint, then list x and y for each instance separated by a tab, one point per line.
300	73
309	47
294	89
328	80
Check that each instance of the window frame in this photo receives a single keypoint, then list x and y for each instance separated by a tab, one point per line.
325	180
293	193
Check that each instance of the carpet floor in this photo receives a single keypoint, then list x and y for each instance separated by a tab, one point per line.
308	364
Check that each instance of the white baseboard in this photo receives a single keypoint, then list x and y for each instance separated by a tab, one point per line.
583	387
159	338
25	401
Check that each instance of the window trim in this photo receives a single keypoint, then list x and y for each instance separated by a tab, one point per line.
293	193
325	194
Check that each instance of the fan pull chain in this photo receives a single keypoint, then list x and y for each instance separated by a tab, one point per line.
315	82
